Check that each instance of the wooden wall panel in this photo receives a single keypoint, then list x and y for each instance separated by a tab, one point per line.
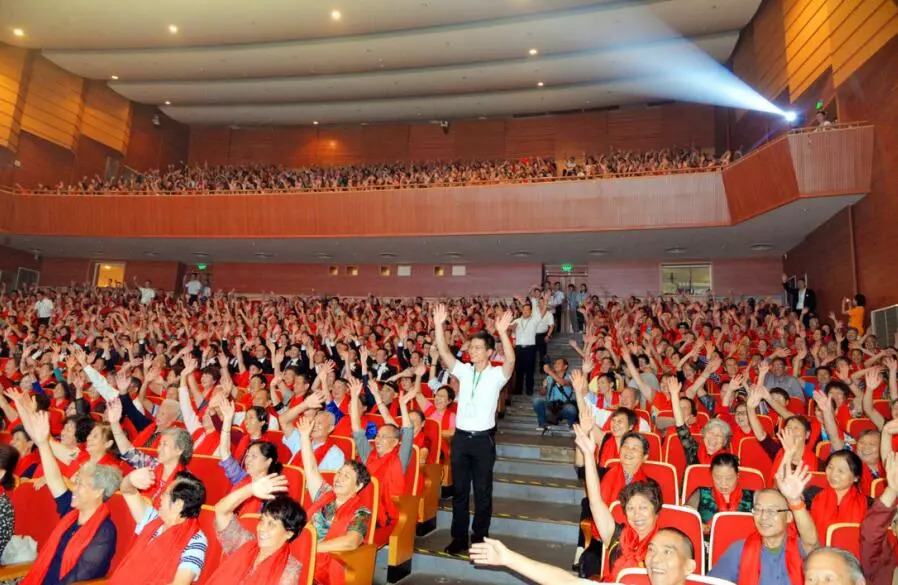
687	124
12	259
485	279
209	145
747	276
164	276
528	137
41	162
385	143
65	271
53	103
107	116
808	49
837	161
860	28
14	63
151	146
653	201
251	145
479	140
761	182
769	47
429	142
90	159
340	146
578	134
636	129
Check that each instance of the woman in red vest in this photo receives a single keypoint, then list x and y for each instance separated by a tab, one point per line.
170	548
338	513
262	558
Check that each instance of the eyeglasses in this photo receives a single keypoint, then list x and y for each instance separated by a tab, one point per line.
768	511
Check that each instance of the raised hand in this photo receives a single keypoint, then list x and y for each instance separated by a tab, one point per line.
489	552
268	486
142	478
587	421
891	465
314	400
578	381
114	410
823	402
791	483
584	442
40	426
872	379
504	322
355	389
440	314
304	425
227	410
755	396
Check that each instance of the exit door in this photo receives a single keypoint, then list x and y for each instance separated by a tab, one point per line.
566	274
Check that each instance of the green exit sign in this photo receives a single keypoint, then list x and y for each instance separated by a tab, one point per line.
819	104
567	267
201	266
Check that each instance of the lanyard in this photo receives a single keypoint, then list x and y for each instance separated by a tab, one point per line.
476	380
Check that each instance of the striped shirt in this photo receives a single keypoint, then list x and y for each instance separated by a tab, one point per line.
193	557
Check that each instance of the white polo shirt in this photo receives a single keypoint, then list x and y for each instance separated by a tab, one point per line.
44	308
478	396
547	320
147	295
526	327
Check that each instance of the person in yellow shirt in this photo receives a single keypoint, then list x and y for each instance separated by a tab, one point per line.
854	309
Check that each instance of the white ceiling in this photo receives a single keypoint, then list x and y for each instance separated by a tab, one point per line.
288	62
782	228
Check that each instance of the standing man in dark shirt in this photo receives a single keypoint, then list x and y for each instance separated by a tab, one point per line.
800	298
82	544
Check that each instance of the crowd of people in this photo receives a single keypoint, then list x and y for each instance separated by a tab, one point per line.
203	178
119	390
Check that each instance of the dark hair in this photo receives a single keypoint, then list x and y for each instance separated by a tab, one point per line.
83	426
488	340
288	512
725	460
189	489
826	369
804	422
860	299
632	417
855	465
639	437
647	488
692	409
684	538
82	406
363	478
780	392
213	371
21	429
837	384
42	401
9	458
268	451
449	391
261	414
108	436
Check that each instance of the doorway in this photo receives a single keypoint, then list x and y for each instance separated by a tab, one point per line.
566	275
109	274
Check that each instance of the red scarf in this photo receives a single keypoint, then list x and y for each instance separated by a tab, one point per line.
607	450
143	438
730	504
826	509
73	550
155	559
750	568
807	456
614	481
388	471
155	491
243	445
704	457
633	551
205	443
238	566
866	476
327	568
251	505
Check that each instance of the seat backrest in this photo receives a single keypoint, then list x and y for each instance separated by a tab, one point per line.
877	487
700	476
654	445
412	473
296	483
249	521
883	407
727	528
213	550
685	519
818	479
750	450
41	518
823	450
277	438
767	424
303	548
856	426
346	444
661	472
674	454
432	431
796	406
845	535
207	468
124	528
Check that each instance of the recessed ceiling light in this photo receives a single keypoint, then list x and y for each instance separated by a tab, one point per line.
113	77
201	254
598	252
173	29
520	254
324	255
18	32
675	250
263	255
315	122
150	254
387	255
540	84
453	254
533	51
336	15
167	102
761	247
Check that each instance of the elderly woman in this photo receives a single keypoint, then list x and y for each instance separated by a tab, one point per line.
842	499
175	451
641	501
715	434
263	558
170	548
82	543
340	518
726	493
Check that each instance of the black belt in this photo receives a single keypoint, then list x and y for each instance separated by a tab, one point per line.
524	346
491	431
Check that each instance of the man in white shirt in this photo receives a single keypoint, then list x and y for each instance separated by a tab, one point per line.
545	327
474	445
44	309
525	346
556	303
193	287
147	292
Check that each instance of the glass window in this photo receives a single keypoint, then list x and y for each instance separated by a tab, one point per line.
690	279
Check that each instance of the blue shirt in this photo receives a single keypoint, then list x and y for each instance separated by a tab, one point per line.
773	564
556	392
94	561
